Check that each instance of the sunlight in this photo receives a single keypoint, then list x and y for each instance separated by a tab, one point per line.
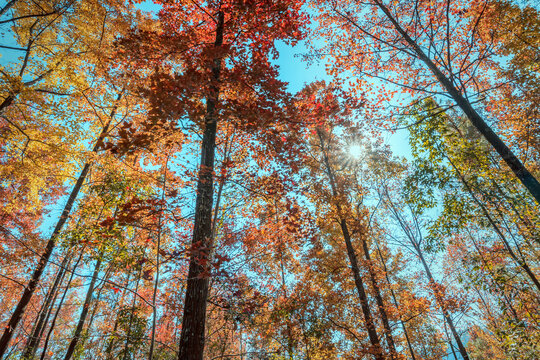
355	151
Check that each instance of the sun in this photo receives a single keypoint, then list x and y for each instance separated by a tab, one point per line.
355	151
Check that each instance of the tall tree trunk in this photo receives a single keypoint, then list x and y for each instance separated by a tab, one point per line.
519	260
383	262
370	323
44	258
108	351
37	332
156	281
353	260
521	172
446	316
193	322
53	322
378	298
84	312
130	323
431	280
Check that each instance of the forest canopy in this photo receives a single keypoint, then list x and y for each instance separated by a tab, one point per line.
269	179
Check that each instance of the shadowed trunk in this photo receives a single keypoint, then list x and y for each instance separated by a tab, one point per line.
57	312
193	322
380	302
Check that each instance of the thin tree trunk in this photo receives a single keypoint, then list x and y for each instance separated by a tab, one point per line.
383	262
98	296
37	332
431	280
51	329
364	304
84	312
446	316
108	351
520	261
130	323
378	298
156	282
521	172
44	258
193	323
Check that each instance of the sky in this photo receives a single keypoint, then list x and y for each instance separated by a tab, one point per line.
297	73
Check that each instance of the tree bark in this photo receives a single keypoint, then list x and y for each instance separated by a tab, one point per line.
409	345
156	281
51	243
378	298
194	319
370	323
130	323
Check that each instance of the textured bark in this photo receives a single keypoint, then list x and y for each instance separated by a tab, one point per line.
521	172
194	319
44	258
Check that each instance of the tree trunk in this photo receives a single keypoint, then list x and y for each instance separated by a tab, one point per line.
380	302
84	312
520	261
446	316
44	314
353	260
108	351
420	255
44	258
156	281
521	172
411	351
370	324
51	329
193	322
130	323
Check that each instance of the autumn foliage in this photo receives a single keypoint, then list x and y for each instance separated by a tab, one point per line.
169	190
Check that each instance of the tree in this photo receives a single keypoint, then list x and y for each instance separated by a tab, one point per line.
409	46
237	82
